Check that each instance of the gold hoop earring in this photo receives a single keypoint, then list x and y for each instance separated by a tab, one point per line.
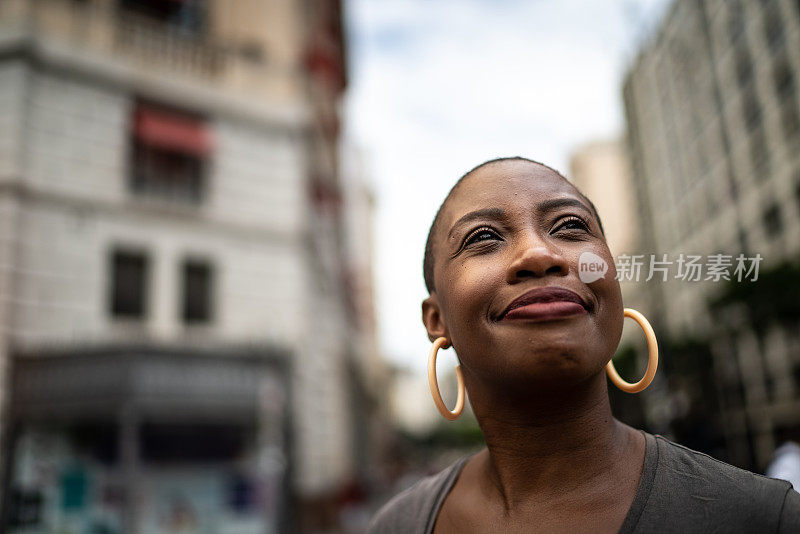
441	342
652	364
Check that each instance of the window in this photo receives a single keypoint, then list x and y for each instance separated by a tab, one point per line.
751	110
128	284
735	21
783	78
181	443
196	292
759	153
744	67
797	195
790	120
166	174
744	242
773	223
785	89
773	28
733	185
188	16
170	150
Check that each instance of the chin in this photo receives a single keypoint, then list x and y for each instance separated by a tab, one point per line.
552	339
542	366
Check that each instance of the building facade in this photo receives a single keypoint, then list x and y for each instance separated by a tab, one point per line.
175	327
601	171
713	114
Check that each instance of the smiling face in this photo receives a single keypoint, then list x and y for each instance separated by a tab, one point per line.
508	294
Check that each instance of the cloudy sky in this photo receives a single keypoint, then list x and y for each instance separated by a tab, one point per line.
438	86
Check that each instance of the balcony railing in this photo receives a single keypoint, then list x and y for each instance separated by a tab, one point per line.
125	34
154	43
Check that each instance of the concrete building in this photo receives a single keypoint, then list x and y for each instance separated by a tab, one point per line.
174	331
601	170
713	113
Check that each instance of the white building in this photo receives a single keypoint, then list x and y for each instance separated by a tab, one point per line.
713	112
171	269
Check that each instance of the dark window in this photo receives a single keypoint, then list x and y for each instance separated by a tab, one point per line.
25	507
744	67
743	240
797	200
735	21
196	292
166	174
177	443
99	441
773	28
187	15
751	110
170	149
796	372
128	284
783	78
769	386
733	185
759	153
790	119
785	89
773	223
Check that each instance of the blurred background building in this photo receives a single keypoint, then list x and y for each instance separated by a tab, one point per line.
602	172
713	114
187	333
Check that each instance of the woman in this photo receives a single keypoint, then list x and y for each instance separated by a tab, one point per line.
533	340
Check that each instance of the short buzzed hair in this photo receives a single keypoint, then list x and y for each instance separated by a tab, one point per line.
427	262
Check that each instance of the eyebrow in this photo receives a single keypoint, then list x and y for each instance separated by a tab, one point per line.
555	203
486	213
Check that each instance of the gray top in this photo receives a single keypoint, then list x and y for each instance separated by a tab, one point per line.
681	490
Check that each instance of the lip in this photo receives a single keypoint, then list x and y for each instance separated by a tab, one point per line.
545	303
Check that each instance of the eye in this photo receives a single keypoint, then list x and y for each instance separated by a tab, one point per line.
571	224
479	235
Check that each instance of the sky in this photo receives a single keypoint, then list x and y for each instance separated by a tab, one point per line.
439	86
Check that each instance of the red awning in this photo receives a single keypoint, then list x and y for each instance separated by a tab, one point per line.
172	131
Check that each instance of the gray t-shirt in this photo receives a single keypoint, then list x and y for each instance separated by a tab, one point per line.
681	490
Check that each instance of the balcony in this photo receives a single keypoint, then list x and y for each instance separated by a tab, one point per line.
150	42
117	29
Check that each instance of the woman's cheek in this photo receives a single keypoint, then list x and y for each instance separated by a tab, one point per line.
475	280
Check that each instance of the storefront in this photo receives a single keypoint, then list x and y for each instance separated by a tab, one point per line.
150	441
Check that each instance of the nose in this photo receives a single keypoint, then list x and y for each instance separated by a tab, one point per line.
535	258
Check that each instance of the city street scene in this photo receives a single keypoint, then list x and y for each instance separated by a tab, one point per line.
213	255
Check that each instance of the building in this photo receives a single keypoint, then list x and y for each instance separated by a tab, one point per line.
713	113
601	171
175	314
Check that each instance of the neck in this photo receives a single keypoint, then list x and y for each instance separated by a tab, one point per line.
547	446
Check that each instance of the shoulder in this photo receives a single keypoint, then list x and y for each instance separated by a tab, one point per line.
694	470
410	510
693	488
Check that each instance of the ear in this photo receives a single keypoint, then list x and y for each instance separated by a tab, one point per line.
433	319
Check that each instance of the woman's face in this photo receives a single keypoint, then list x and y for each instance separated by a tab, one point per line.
508	294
